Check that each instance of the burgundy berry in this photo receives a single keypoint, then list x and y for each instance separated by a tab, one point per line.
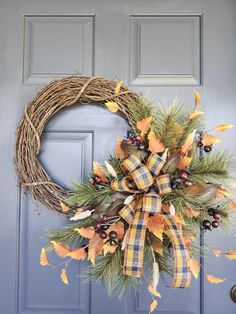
216	216
215	223
138	138
129	141
103	235
98	179
183	175
187	183
92	181
98	226
105	218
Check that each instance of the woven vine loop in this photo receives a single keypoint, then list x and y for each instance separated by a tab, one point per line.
51	99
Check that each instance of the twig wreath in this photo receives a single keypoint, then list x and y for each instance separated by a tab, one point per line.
139	215
55	96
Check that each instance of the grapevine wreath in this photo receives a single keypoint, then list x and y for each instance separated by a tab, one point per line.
140	214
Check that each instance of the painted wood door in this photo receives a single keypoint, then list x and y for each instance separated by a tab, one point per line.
164	47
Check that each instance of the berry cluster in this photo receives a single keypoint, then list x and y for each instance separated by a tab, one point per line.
101	228
207	225
181	180
134	139
207	148
95	180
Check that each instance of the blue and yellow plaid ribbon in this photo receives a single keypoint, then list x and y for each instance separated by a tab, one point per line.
143	181
182	275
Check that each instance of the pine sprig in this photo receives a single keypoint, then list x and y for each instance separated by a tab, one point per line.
86	193
214	168
108	270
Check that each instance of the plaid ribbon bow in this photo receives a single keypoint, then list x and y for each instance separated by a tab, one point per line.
143	181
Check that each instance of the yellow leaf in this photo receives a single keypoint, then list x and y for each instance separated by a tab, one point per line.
78	254
94	248
155	145
112	106
188	142
191	212
230	254
184	162
99	172
43	258
197	97
64	207
223	127
217	252
156	225
224	192
153	306
233	205
194	114
88	232
61	249
179	219
153	292
107	248
213	279
118	86
144	125
64	276
194	266
120	153
209	139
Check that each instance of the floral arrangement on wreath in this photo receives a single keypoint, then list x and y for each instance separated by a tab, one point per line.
139	214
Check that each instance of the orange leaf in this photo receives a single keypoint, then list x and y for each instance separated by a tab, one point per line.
197	97
194	114
107	248
119	229
99	172
94	248
223	127
230	254
65	208
213	279
233	205
61	249
118	87
78	254
153	292
112	106
153	306
64	277
156	225
157	246
224	192
120	153
179	219
191	213
155	145
184	162
43	258
194	266
217	252
209	139
88	232
144	125
188	142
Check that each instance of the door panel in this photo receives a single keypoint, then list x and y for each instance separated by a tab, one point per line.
164	47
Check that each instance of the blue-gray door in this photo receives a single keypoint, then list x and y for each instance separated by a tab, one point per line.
165	47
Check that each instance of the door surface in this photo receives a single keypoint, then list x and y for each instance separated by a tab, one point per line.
163	47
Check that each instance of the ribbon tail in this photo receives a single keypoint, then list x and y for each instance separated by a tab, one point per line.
134	249
182	275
